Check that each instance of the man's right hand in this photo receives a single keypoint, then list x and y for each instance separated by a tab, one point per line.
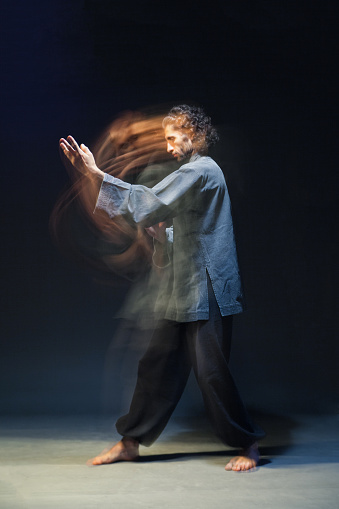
80	157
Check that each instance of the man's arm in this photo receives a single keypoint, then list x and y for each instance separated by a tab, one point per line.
140	204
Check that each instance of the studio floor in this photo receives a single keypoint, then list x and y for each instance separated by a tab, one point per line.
43	465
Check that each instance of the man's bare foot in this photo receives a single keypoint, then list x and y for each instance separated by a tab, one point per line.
125	450
247	460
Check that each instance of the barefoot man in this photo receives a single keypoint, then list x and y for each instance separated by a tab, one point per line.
205	293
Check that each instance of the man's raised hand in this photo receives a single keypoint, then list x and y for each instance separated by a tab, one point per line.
80	157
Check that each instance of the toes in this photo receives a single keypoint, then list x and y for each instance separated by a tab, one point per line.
229	465
241	464
97	460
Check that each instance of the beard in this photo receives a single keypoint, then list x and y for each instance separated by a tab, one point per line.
186	151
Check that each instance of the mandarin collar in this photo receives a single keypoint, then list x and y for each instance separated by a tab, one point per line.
194	157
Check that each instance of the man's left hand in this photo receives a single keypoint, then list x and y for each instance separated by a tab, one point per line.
158	232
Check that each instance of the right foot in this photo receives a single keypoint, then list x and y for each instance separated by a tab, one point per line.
125	450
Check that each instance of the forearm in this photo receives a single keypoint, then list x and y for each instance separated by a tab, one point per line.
134	202
149	206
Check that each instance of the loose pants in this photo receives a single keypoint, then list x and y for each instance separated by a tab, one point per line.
175	348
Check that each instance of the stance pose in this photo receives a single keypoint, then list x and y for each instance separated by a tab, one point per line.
205	289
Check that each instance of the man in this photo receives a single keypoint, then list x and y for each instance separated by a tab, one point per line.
205	293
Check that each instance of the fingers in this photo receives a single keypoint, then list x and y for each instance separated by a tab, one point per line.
66	147
151	231
73	143
70	145
85	149
71	149
63	143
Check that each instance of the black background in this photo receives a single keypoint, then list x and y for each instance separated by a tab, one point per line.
266	73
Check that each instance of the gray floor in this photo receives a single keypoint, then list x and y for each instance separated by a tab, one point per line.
42	465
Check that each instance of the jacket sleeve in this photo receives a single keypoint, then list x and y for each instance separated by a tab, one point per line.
148	206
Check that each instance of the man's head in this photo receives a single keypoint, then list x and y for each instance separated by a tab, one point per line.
187	131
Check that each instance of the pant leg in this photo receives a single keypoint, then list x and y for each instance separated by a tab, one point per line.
162	376
209	344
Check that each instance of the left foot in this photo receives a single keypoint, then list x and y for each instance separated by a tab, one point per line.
247	460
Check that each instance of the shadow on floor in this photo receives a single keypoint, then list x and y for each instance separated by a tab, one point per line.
191	455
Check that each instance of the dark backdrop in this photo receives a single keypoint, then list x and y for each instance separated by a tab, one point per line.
265	72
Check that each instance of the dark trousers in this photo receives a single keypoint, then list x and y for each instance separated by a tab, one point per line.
176	348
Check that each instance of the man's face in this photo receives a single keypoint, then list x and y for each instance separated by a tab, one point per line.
179	144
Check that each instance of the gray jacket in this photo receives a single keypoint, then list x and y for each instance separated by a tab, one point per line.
195	197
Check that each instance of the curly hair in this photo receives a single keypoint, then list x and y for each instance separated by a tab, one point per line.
193	120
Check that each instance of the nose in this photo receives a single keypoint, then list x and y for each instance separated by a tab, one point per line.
169	147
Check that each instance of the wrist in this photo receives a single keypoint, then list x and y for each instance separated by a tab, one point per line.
98	173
